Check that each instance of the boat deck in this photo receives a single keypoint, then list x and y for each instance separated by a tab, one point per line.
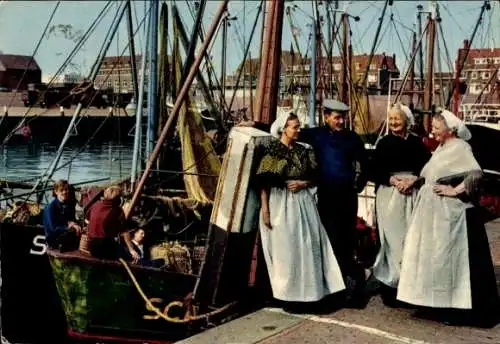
376	324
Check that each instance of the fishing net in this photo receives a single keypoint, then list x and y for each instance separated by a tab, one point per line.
199	158
23	213
176	256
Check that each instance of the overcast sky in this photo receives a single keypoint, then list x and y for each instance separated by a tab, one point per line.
22	23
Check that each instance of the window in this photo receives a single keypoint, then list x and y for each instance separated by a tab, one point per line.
497	60
486	75
357	65
479	61
472	89
473	75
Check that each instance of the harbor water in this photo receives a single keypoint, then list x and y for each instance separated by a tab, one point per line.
79	163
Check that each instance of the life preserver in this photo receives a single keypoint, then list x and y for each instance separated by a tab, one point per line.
25	131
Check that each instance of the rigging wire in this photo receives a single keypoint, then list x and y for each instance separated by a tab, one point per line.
458	25
437	58
368	28
446	51
68	60
80	150
407	58
44	33
134	9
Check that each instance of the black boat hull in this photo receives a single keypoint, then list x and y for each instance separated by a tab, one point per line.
31	309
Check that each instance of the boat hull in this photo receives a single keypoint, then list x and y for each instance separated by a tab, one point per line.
31	309
101	300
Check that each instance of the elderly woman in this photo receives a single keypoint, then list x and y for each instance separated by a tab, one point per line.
398	159
447	265
300	260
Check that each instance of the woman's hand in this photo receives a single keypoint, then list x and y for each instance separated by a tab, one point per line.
394	181
445	190
407	184
266	218
296	185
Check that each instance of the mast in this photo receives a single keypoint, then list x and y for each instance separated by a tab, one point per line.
412	70
267	92
178	103
312	85
153	80
320	87
429	80
343	89
133	65
139	109
251	81
420	55
223	63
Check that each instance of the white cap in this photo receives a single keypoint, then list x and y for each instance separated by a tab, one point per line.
456	124
335	105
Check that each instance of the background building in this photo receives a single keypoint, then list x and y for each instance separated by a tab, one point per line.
12	68
116	74
481	101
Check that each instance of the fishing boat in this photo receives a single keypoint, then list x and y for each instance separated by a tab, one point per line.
192	290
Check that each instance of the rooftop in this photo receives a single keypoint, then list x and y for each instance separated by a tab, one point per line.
8	61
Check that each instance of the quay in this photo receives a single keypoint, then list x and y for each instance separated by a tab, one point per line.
376	324
49	125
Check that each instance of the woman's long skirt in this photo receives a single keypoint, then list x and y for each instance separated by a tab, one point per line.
447	261
300	260
393	211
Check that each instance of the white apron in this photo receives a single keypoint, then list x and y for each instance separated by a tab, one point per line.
393	211
435	267
298	254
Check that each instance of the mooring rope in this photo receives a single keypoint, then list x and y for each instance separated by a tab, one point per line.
164	315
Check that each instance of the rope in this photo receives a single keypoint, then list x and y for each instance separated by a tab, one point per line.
164	315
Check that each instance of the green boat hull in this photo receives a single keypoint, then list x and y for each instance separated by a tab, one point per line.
101	300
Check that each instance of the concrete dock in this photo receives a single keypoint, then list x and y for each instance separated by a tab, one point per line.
376	324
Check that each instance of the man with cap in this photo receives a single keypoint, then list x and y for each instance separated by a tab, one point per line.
337	151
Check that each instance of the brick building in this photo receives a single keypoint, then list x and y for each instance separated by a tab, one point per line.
443	82
381	68
12	68
296	71
480	73
116	74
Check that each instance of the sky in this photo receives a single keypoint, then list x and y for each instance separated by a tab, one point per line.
22	24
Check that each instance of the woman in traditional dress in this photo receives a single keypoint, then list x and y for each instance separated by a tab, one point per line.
447	265
398	159
300	260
